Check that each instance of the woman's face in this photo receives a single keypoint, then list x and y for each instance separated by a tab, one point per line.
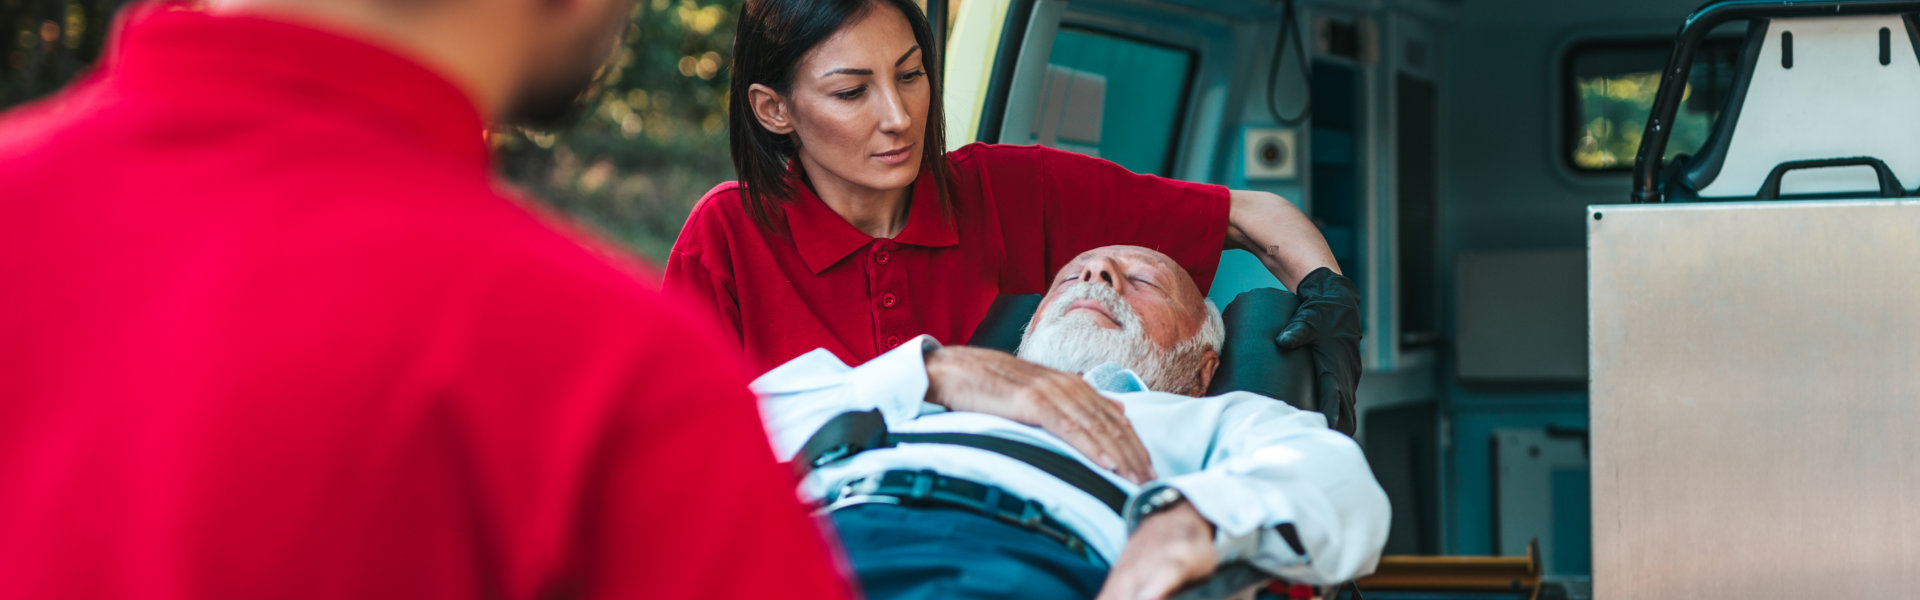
857	106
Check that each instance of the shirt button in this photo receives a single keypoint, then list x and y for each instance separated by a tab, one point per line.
887	300
893	341
883	257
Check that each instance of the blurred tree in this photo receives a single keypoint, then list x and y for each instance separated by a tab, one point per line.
48	42
655	137
651	142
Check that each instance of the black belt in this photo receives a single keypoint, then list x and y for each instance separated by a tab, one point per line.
927	488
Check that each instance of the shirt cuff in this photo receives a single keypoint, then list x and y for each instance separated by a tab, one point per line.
1244	521
896	382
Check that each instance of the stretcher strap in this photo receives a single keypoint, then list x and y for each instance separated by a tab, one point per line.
853	432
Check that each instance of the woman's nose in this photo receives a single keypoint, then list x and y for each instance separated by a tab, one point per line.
893	111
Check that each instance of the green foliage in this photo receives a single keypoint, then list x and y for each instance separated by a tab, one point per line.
1615	113
47	43
653	140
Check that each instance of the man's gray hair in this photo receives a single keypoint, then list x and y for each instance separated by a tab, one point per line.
1183	368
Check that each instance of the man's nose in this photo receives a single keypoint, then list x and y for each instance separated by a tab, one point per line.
1101	270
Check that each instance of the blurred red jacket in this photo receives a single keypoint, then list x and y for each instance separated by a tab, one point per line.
270	329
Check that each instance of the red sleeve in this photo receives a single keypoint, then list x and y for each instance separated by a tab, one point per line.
693	281
621	447
696	506
692	278
1080	203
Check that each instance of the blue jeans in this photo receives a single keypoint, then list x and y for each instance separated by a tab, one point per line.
913	553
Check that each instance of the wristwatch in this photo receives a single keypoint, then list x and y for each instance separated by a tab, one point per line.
1156	501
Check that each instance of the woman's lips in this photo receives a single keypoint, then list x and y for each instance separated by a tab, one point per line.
897	156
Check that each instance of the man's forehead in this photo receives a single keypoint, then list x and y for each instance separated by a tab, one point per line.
1133	254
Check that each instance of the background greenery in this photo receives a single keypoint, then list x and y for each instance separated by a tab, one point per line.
653	141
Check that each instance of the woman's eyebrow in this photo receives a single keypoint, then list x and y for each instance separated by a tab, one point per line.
847	71
869	72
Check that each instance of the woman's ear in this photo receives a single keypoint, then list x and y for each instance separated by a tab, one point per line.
770	108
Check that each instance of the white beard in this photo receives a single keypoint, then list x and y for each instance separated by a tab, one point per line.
1076	343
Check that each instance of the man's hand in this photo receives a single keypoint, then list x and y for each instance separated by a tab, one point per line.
996	383
1170	549
1328	323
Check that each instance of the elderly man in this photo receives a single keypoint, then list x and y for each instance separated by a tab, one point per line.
967	492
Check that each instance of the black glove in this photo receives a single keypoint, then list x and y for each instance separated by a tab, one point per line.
1328	323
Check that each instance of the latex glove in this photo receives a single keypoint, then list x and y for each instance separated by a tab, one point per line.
1328	324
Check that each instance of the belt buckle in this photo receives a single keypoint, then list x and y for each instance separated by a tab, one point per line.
923	483
1030	515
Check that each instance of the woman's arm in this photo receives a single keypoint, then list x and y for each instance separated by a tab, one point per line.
1328	320
1271	228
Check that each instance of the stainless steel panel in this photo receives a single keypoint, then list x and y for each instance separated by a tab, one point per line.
1755	375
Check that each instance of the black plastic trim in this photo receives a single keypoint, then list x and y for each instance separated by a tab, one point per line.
937	19
1786	49
1886	47
1006	60
1653	143
1913	34
1889	184
1705	164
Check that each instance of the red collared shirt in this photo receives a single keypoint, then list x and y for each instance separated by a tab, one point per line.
1020	213
270	330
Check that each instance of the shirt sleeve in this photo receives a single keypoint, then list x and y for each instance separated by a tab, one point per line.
800	396
692	493
1287	494
688	278
1079	203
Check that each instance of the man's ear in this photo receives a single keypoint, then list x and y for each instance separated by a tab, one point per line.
1209	362
770	108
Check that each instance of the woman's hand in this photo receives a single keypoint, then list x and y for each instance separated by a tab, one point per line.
996	383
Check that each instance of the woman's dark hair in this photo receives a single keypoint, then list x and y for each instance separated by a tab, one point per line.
773	36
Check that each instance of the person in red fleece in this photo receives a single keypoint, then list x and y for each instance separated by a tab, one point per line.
272	329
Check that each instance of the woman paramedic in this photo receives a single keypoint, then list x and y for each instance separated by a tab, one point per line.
851	230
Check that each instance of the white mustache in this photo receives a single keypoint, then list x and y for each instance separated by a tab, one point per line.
1109	300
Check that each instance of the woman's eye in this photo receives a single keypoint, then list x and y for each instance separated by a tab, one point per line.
913	76
851	94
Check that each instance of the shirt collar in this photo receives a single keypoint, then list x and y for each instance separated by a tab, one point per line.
167	47
824	238
1111	377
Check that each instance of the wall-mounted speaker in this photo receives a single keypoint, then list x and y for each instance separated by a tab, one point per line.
1272	153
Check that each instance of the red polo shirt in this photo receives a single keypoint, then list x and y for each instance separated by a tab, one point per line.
271	331
1020	213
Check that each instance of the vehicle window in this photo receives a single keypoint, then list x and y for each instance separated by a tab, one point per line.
1609	87
1140	91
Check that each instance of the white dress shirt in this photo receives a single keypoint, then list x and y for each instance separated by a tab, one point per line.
1246	462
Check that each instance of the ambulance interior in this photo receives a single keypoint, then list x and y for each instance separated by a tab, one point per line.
1461	157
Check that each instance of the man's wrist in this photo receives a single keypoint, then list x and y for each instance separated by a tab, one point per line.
940	363
1181	520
